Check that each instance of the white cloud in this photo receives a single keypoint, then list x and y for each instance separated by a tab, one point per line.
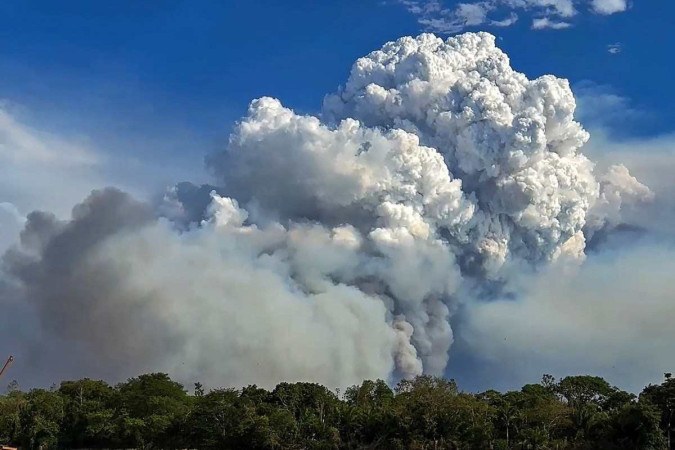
434	16
600	106
44	170
53	170
562	8
544	23
471	14
614	49
20	143
507	22
437	18
607	7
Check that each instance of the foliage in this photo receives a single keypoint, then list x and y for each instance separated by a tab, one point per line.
153	411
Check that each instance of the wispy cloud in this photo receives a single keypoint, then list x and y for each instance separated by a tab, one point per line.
507	22
608	6
614	49
20	143
42	169
544	23
600	106
11	223
435	16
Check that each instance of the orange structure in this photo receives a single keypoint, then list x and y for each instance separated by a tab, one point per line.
9	362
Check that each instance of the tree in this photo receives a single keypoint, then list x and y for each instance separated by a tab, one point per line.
662	397
430	413
199	389
89	413
315	409
224	419
367	418
584	390
633	426
10	418
152	408
40	419
370	394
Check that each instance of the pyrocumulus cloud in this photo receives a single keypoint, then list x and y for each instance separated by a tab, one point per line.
336	247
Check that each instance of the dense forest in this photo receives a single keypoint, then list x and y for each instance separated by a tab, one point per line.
152	411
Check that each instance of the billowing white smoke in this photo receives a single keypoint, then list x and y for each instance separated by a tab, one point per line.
336	246
513	142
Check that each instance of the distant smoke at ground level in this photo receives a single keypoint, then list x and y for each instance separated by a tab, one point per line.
610	317
440	186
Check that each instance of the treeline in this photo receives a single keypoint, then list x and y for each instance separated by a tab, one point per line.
152	411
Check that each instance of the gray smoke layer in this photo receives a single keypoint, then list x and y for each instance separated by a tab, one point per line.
609	317
334	248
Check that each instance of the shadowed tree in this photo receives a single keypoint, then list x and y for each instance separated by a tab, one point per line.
662	397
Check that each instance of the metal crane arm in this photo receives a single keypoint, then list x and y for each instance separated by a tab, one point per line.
9	362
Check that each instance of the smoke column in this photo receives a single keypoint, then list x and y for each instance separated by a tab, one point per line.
330	248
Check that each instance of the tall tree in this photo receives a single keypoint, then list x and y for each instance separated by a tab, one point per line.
663	398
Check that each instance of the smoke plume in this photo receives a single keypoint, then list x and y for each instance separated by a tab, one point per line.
337	247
